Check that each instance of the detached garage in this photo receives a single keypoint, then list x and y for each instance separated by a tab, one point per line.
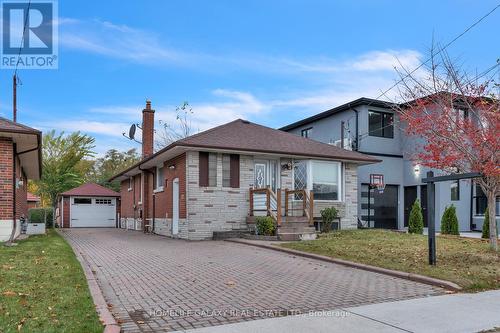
88	206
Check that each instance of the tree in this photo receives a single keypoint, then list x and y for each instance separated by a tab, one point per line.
113	162
458	117
61	155
449	221
183	127
416	220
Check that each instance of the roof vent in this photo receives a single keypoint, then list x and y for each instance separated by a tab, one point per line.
245	121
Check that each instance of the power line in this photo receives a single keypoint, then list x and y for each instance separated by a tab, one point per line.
23	37
441	50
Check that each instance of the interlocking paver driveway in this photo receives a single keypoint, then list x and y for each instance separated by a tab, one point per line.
159	284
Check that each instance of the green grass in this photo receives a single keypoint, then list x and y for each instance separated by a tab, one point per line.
43	288
468	262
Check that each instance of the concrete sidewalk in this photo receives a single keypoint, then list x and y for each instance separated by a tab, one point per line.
467	313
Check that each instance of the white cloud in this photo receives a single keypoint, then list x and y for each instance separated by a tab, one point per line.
116	41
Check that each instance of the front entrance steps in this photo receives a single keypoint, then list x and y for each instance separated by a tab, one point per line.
293	228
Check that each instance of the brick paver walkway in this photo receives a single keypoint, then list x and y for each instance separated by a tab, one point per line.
157	284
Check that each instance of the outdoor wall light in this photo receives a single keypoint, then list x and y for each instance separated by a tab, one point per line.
286	166
416	169
171	167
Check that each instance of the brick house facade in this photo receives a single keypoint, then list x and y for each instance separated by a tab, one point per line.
20	160
201	184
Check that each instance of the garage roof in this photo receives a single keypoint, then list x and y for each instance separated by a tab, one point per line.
91	190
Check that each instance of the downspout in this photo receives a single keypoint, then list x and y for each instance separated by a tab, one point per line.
356	147
471	205
154	201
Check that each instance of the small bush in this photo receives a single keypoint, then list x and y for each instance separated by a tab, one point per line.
265	226
486	224
41	215
328	215
449	221
416	220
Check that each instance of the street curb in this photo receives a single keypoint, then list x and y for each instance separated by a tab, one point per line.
107	319
403	275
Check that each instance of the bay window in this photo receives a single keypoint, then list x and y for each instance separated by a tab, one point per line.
322	177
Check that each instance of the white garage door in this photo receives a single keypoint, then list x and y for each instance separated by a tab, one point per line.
93	212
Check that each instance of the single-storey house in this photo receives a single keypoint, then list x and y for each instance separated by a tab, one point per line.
88	206
20	160
33	200
213	180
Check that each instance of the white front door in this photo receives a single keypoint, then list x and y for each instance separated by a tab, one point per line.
175	206
89	212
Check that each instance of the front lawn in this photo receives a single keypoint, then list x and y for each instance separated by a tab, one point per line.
467	262
43	288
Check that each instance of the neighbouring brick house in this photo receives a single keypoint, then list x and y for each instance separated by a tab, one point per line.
33	200
212	181
20	160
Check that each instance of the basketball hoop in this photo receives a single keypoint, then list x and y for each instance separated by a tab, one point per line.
377	182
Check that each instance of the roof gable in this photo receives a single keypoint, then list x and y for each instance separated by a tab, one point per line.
91	190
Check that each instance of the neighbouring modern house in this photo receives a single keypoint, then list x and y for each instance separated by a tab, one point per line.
20	160
33	200
219	179
371	127
88	206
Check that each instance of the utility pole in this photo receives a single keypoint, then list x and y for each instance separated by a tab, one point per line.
14	98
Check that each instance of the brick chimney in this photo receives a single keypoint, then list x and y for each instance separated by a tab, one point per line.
148	123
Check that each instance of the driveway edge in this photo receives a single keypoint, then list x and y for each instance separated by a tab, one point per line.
404	275
107	319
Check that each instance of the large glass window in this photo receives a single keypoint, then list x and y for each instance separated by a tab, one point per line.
322	177
481	202
381	124
325	180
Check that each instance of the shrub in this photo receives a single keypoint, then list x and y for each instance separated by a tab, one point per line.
41	215
328	215
449	221
416	220
486	224
265	226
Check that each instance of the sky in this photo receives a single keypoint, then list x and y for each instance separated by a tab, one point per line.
270	62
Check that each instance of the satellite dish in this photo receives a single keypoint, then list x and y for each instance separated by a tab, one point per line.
131	132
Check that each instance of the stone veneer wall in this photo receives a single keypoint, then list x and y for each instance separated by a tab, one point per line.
216	208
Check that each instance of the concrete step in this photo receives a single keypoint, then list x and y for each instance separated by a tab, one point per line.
220	235
301	229
296	236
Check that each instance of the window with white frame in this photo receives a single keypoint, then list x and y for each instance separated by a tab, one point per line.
326	180
322	177
159	179
130	182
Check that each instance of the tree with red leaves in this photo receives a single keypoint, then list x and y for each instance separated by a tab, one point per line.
457	118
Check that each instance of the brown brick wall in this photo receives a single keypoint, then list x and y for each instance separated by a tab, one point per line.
164	199
6	188
130	198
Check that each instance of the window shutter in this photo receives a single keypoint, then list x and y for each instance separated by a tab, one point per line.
203	169
235	170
